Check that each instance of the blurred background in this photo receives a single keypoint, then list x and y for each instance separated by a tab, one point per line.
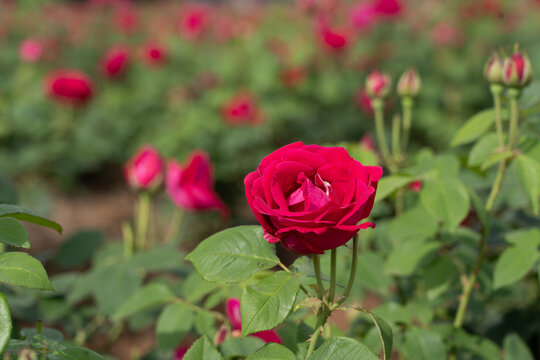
83	84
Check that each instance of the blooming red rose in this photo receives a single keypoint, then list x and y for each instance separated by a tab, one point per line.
235	318
190	185
69	86
115	62
241	110
387	7
145	169
311	198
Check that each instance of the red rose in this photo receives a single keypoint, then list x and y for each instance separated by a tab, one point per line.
115	62
69	86
190	186
154	55
241	110
145	169
193	22
311	198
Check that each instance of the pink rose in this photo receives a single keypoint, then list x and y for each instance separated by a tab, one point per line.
363	16
311	197
235	318
145	169
30	50
190	185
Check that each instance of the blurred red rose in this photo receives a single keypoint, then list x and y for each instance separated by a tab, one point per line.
368	143
126	19
415	186
193	22
311	198
332	38
235	318
154	54
363	15
30	50
242	110
115	62
190	186
180	353
69	86
388	7
145	169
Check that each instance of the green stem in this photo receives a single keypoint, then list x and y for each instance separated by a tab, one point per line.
513	136
496	188
332	291
317	270
496	91
143	218
127	237
396	151
174	227
407	106
378	109
352	274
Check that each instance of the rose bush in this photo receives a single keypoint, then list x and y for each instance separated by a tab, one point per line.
311	197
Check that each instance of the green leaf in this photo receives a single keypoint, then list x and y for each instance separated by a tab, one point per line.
423	344
482	347
480	209
416	223
404	259
272	351
19	213
482	149
75	353
202	350
515	348
233	255
5	323
495	158
343	348
111	285
205	324
195	287
370	272
20	269
148	296
439	276
240	347
173	324
527	171
385	333
514	263
475	127
528	237
13	233
447	200
267	303
78	248
157	259
389	184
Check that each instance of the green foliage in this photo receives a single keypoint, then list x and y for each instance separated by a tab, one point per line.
146	297
233	255
202	350
13	233
268	302
343	348
21	269
173	324
5	323
272	351
447	200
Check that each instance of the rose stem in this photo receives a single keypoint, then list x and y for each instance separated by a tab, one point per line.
353	271
143	217
496	91
174	226
317	269
395	138
127	237
407	105
332	290
379	130
495	189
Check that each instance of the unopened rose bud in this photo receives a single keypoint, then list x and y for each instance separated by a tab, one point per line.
517	70
494	70
145	169
409	84
378	84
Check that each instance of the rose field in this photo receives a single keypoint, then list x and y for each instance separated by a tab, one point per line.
269	180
